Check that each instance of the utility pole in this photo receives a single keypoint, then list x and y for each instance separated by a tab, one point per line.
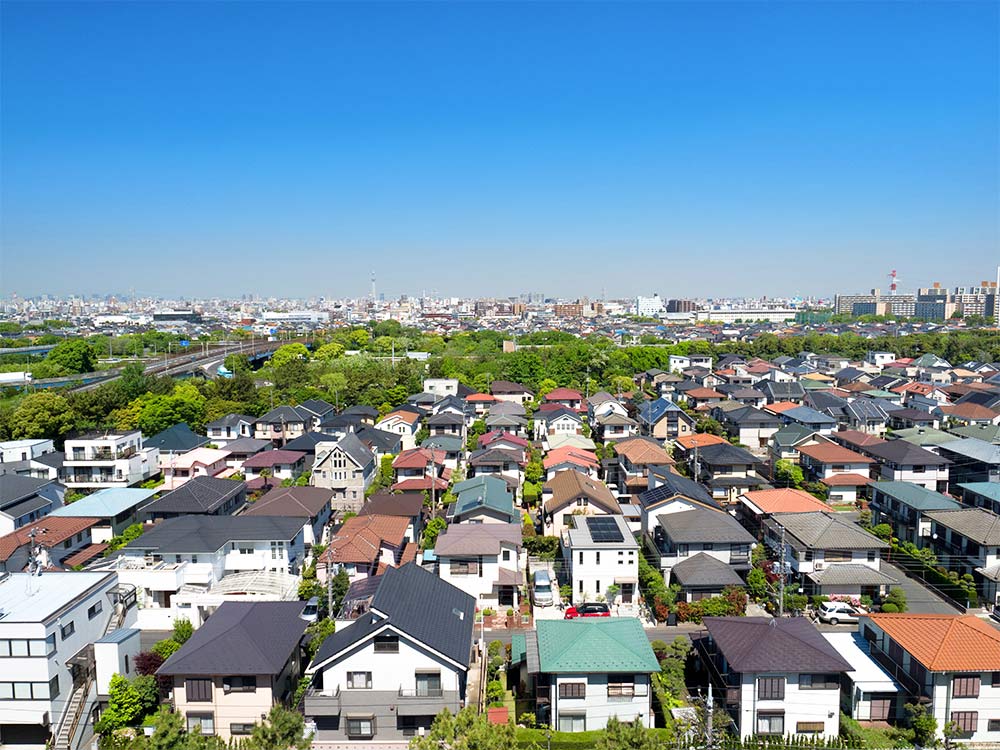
709	709
329	592
781	579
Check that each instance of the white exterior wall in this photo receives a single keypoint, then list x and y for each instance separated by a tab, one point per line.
480	585
928	478
798	705
591	578
987	705
115	658
598	706
23	450
858	557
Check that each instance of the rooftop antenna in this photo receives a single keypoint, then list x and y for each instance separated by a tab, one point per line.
892	282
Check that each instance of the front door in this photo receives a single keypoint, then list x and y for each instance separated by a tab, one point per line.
627	592
881	707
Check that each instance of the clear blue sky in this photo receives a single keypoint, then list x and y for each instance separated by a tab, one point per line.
474	148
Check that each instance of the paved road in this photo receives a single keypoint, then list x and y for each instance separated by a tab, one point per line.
919	598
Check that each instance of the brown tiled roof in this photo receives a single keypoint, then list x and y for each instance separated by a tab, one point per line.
418	458
945	643
857	438
643	451
705	393
50	531
829	453
569	484
701	439
846	480
969	411
85	555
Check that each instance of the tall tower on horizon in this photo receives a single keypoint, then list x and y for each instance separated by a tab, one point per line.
373	286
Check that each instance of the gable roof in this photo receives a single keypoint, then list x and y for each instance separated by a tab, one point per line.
106	503
476	538
761	644
916	496
212	533
563	394
724	454
484	491
284	414
904	453
176	439
266	459
593	646
360	538
675	485
569	484
241	638
944	643
831	453
643	450
48	533
973	449
978	524
699	440
408	504
421	605
232	420
197	495
15	488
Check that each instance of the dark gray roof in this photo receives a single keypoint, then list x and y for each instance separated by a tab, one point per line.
177	439
361	410
782	391
249	445
851	574
357	451
751	415
704	570
232	420
244	638
819	530
15	488
406	504
285	414
447	418
306	442
380	441
294	502
197	495
674	485
54	459
317	406
761	644
904	453
419	604
212	533
723	454
704	525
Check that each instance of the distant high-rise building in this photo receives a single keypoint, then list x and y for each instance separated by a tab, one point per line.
681	306
649	307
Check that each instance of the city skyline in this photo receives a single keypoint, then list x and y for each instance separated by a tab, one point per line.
486	150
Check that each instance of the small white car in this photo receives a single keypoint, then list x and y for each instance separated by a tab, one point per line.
838	612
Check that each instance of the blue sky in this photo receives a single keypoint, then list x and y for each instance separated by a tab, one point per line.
495	148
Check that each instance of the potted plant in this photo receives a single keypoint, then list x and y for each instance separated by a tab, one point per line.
488	617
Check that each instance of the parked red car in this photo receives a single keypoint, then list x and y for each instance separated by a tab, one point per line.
590	609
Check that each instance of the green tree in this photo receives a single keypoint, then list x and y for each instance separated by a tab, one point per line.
621	735
466	730
338	589
41	415
434	527
883	531
128	702
73	356
318	632
329	352
923	724
895	600
757	584
289	353
283	729
787	474
238	364
165	648
183	630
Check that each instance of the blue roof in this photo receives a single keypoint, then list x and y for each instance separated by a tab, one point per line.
105	503
989	490
652	411
119	636
807	415
917	496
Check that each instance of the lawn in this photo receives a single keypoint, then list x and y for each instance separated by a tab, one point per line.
527	738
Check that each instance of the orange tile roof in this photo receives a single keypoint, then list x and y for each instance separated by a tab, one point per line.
418	458
474	397
700	440
780	407
785	500
969	411
830	453
360	539
705	393
50	531
572	455
87	554
945	643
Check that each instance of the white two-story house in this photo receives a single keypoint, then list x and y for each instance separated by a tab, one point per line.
777	677
483	560
388	674
109	459
603	559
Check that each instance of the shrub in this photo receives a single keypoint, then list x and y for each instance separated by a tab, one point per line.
895	598
890	607
542	547
527	719
495	648
165	648
494	692
183	630
883	531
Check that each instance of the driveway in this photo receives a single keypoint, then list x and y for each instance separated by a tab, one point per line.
919	598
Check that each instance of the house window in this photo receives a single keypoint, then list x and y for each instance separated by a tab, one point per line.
240	684
682	550
621	686
993	725
581	558
818	682
95	610
598	554
359	680
837	555
572	689
965	686
809	727
965	721
50	644
770	722
361	727
241	728
428	684
872	554
198	690
387	644
54	688
996	679
572	722
506	555
201	722
771	688
67	630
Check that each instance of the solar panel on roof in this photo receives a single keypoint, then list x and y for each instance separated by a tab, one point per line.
604	530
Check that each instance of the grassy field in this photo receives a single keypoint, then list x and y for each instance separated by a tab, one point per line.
527	738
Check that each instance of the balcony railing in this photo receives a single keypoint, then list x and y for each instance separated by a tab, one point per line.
895	670
421	692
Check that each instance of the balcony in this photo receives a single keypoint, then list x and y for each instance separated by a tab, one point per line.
322	703
421	693
896	670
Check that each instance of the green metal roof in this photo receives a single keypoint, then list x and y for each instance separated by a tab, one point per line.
518	647
990	490
483	492
587	645
922	436
916	496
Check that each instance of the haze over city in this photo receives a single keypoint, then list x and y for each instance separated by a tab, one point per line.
718	149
